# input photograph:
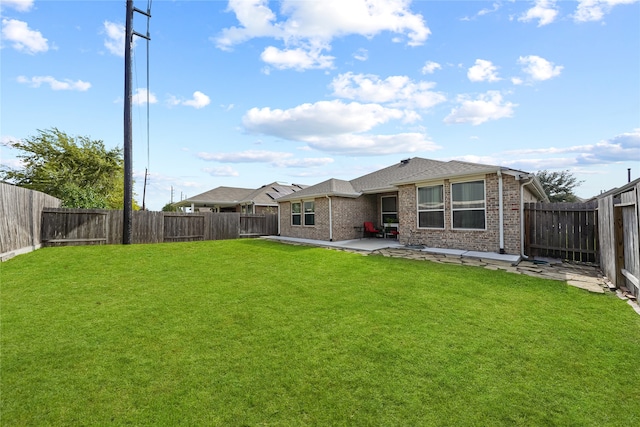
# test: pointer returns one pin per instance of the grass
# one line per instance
(250, 332)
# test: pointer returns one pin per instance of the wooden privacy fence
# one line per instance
(568, 231)
(619, 224)
(65, 227)
(20, 219)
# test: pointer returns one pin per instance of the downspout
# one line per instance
(522, 217)
(501, 211)
(330, 220)
(278, 219)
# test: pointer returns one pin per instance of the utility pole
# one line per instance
(128, 94)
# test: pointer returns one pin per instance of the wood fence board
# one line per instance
(95, 226)
(20, 218)
(561, 230)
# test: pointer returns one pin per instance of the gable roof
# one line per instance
(408, 171)
(232, 196)
(330, 187)
(617, 191)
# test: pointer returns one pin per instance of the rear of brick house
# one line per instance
(449, 205)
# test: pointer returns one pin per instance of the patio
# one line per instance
(376, 244)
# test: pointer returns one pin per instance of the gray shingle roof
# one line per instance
(220, 195)
(416, 169)
(448, 169)
(330, 187)
(231, 196)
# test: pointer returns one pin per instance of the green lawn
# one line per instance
(251, 332)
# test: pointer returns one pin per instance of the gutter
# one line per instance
(330, 220)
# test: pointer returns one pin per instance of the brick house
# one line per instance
(452, 205)
(244, 200)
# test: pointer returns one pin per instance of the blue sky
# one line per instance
(247, 92)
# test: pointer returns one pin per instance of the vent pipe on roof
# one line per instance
(628, 174)
(405, 161)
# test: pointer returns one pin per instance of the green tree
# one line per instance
(169, 207)
(78, 170)
(559, 185)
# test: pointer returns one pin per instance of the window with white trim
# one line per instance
(468, 205)
(389, 209)
(296, 215)
(310, 213)
(431, 206)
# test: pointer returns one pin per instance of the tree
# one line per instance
(169, 207)
(559, 185)
(79, 171)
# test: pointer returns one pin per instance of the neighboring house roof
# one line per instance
(408, 171)
(330, 187)
(233, 196)
(268, 194)
(617, 191)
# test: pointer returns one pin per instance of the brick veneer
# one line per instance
(478, 240)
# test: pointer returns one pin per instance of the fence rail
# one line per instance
(68, 227)
(567, 231)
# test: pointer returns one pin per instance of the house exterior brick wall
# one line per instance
(487, 240)
(348, 213)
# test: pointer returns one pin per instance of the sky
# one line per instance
(243, 93)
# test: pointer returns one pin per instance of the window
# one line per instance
(468, 205)
(295, 214)
(431, 207)
(309, 213)
(389, 209)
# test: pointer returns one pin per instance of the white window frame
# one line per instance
(299, 214)
(484, 208)
(304, 213)
(435, 184)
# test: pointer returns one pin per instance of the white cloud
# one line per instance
(482, 12)
(298, 58)
(221, 171)
(23, 38)
(308, 122)
(311, 26)
(199, 100)
(544, 11)
(620, 148)
(336, 127)
(66, 84)
(483, 71)
(595, 10)
(140, 97)
(307, 162)
(361, 54)
(539, 68)
(488, 106)
(275, 158)
(430, 67)
(248, 156)
(398, 91)
(19, 5)
(115, 38)
(375, 145)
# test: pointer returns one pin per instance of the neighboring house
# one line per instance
(453, 205)
(244, 200)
